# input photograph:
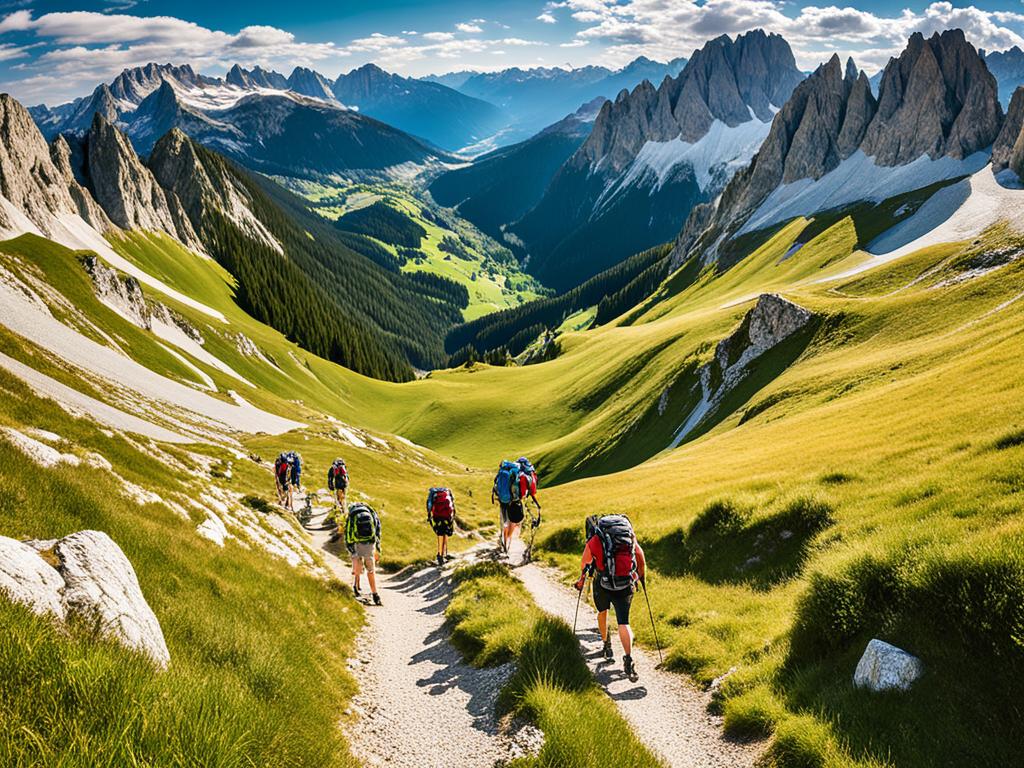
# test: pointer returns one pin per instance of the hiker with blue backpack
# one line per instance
(287, 477)
(515, 482)
(616, 560)
(337, 484)
(441, 517)
(362, 538)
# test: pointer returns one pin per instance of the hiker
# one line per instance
(618, 559)
(506, 491)
(362, 537)
(441, 516)
(282, 479)
(337, 483)
(528, 486)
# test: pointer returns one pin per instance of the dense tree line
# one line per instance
(455, 247)
(383, 222)
(442, 288)
(329, 298)
(515, 328)
(632, 293)
(371, 249)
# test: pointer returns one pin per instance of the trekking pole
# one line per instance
(654, 626)
(586, 574)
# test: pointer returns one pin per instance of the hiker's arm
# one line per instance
(641, 563)
(588, 557)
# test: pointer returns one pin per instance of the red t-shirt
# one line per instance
(596, 551)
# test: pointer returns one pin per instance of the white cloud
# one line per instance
(664, 29)
(438, 36)
(573, 44)
(16, 22)
(10, 51)
(469, 29)
(547, 18)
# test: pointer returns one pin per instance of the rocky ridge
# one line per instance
(1008, 150)
(936, 100)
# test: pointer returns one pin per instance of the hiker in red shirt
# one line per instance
(618, 559)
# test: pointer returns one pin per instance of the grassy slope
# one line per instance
(492, 285)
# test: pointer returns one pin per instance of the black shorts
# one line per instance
(620, 598)
(443, 527)
(512, 512)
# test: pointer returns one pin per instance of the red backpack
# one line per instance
(337, 476)
(618, 543)
(441, 503)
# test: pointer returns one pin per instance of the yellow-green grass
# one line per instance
(494, 620)
(258, 650)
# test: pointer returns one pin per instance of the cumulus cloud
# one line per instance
(438, 36)
(469, 29)
(547, 18)
(665, 29)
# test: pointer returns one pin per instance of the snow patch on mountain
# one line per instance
(722, 147)
(858, 178)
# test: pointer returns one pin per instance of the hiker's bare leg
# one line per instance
(626, 638)
(602, 625)
(371, 575)
(444, 545)
(357, 570)
(440, 545)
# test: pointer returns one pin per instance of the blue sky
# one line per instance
(52, 51)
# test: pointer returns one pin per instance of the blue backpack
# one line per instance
(506, 483)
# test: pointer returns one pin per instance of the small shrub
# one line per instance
(807, 515)
(800, 742)
(1010, 440)
(258, 503)
(753, 714)
(722, 517)
(837, 478)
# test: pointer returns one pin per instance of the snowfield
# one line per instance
(952, 215)
(858, 179)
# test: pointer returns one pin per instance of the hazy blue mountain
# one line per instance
(430, 110)
(499, 187)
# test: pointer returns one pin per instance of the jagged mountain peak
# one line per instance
(309, 82)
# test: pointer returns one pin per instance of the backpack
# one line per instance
(281, 468)
(506, 483)
(618, 543)
(441, 504)
(362, 524)
(337, 476)
(529, 475)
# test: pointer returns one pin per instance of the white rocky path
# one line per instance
(418, 700)
(411, 678)
(666, 711)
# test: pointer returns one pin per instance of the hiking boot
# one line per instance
(376, 599)
(448, 558)
(630, 669)
(607, 650)
(440, 561)
(355, 590)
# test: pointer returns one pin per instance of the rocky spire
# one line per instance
(726, 80)
(938, 98)
(1008, 150)
(127, 190)
(38, 184)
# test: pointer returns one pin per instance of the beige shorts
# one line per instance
(365, 552)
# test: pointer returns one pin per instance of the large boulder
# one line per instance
(884, 667)
(28, 579)
(89, 578)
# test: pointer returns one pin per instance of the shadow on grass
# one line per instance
(723, 544)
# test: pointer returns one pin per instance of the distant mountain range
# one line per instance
(435, 112)
(535, 98)
(297, 130)
(1008, 68)
(655, 153)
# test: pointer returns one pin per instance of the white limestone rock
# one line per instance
(213, 529)
(100, 584)
(884, 667)
(26, 578)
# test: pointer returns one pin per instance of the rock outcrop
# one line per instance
(255, 78)
(92, 581)
(39, 185)
(127, 190)
(1008, 150)
(884, 667)
(772, 320)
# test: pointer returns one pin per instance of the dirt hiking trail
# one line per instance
(666, 711)
(418, 700)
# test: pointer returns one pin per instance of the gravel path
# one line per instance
(418, 700)
(667, 712)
